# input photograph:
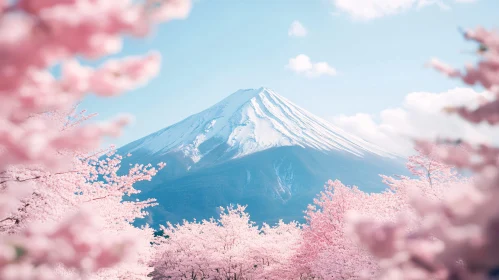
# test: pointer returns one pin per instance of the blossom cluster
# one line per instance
(48, 170)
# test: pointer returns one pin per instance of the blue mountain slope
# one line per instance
(275, 184)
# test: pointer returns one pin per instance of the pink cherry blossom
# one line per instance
(231, 247)
(329, 247)
(454, 236)
(62, 213)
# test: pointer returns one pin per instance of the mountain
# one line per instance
(254, 147)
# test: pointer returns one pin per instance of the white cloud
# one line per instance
(420, 116)
(371, 9)
(302, 64)
(297, 29)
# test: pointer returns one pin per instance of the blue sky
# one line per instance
(227, 45)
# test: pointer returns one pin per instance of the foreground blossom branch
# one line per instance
(46, 171)
(457, 237)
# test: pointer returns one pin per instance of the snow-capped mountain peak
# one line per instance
(249, 121)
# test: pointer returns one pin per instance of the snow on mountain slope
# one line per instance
(249, 121)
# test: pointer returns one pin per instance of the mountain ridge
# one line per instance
(249, 121)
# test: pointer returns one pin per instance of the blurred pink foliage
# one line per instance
(458, 235)
(57, 220)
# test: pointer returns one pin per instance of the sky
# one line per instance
(356, 63)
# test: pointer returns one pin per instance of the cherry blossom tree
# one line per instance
(47, 168)
(433, 179)
(329, 251)
(95, 184)
(231, 247)
(458, 237)
(326, 251)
